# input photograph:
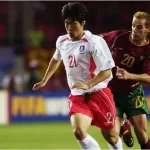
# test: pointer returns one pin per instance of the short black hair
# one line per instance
(75, 11)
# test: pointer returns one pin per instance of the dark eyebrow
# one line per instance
(137, 25)
(68, 21)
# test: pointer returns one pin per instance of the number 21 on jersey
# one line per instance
(72, 61)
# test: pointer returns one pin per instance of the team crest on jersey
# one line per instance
(82, 49)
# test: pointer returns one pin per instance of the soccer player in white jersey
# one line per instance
(88, 65)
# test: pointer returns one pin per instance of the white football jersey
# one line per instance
(84, 59)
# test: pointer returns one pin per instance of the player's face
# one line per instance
(139, 30)
(74, 29)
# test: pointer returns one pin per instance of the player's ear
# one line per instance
(148, 29)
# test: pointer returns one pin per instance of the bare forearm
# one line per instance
(143, 78)
(101, 76)
(53, 65)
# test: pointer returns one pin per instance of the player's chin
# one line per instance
(72, 35)
(136, 37)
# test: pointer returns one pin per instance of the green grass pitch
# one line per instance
(46, 136)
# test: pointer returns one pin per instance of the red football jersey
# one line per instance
(132, 58)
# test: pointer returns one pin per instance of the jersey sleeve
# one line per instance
(57, 54)
(101, 54)
(146, 66)
(110, 37)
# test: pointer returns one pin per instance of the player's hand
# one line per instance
(81, 85)
(38, 85)
(122, 74)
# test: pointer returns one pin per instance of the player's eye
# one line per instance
(67, 24)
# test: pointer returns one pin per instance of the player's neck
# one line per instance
(139, 42)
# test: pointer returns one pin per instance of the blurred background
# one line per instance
(28, 32)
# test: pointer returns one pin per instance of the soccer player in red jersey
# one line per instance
(88, 63)
(131, 53)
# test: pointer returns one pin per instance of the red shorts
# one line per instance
(100, 107)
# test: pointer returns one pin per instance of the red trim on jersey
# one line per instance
(85, 40)
(92, 67)
(64, 39)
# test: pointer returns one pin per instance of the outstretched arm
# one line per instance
(124, 75)
(53, 65)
